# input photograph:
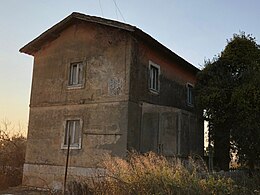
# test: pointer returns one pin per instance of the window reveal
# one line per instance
(76, 74)
(72, 131)
(154, 77)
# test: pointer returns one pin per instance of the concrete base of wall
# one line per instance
(52, 176)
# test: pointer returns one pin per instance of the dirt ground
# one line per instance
(20, 190)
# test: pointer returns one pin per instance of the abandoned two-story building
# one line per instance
(112, 88)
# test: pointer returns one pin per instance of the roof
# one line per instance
(51, 34)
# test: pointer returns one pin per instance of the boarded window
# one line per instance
(149, 134)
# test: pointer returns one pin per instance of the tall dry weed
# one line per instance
(154, 174)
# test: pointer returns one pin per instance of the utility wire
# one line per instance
(119, 10)
(116, 11)
(101, 8)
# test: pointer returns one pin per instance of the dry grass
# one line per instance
(154, 174)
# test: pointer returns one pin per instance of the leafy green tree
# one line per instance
(228, 91)
(246, 128)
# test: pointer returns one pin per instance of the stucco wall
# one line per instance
(162, 122)
(105, 54)
(173, 78)
(101, 104)
(165, 130)
(116, 114)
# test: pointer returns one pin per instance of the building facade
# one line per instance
(110, 88)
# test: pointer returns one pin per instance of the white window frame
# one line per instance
(190, 95)
(66, 125)
(154, 79)
(76, 75)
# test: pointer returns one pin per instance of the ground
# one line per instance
(20, 190)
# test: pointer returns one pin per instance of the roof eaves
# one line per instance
(103, 21)
(166, 50)
(54, 31)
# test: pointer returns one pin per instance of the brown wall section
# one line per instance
(173, 78)
(104, 52)
(117, 110)
(101, 104)
(177, 131)
(171, 69)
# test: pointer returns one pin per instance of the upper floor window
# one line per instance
(76, 74)
(154, 73)
(190, 100)
(72, 134)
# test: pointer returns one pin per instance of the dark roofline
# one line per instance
(53, 33)
(153, 42)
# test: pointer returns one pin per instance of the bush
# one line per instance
(12, 154)
(154, 174)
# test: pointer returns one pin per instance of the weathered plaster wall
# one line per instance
(105, 54)
(161, 122)
(166, 130)
(102, 134)
(117, 114)
(101, 103)
(173, 78)
(52, 176)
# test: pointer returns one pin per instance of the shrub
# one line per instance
(12, 154)
(154, 174)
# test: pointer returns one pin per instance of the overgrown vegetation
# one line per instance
(12, 154)
(154, 174)
(228, 90)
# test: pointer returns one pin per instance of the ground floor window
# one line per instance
(72, 134)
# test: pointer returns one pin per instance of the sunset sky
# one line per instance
(194, 29)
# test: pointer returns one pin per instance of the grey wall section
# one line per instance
(150, 132)
(104, 131)
(162, 122)
(134, 126)
(168, 134)
(167, 130)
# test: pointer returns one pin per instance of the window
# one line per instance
(190, 94)
(72, 132)
(76, 74)
(154, 70)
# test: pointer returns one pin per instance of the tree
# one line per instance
(246, 128)
(228, 91)
(12, 155)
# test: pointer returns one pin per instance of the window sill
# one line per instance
(190, 105)
(71, 147)
(81, 86)
(155, 92)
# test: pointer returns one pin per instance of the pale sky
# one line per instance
(194, 29)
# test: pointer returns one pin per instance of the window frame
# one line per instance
(154, 66)
(65, 131)
(190, 94)
(80, 76)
